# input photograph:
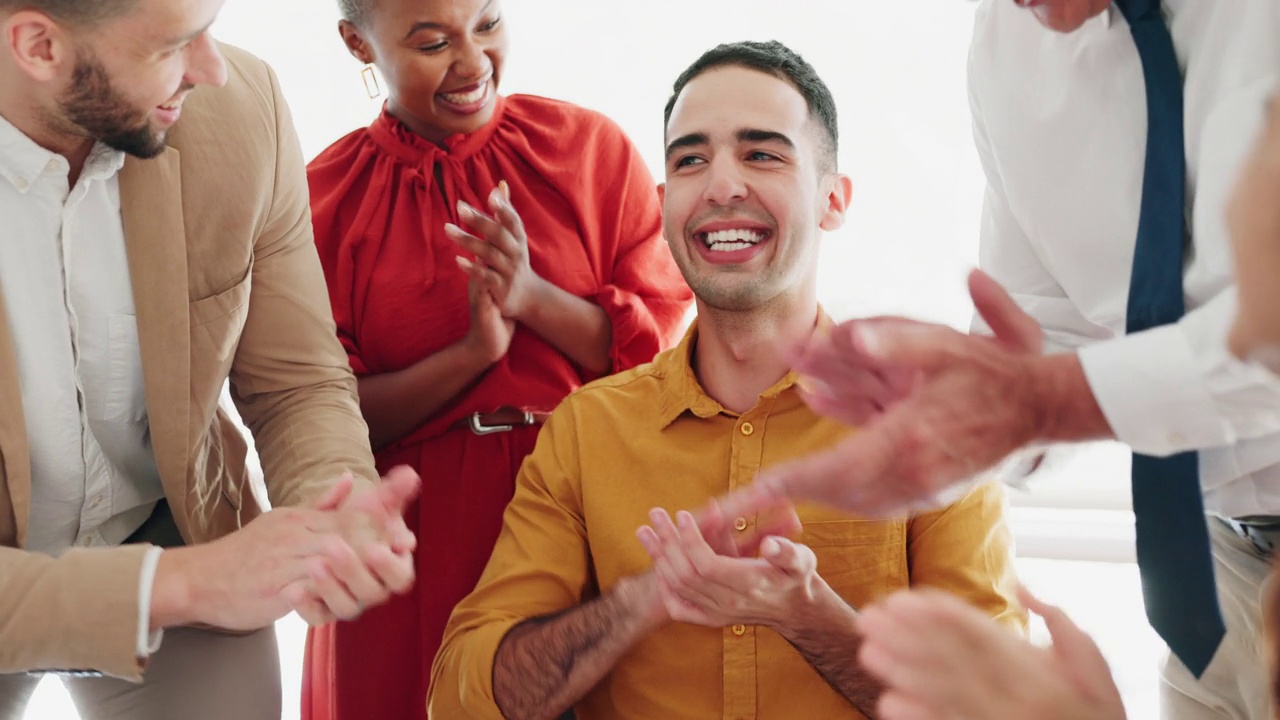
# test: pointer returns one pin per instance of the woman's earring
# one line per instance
(371, 84)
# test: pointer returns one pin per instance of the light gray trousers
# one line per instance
(196, 675)
(1235, 686)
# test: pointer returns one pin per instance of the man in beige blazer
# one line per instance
(144, 261)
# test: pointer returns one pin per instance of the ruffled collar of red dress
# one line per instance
(396, 138)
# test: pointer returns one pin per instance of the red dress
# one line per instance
(380, 198)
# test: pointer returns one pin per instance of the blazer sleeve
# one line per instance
(290, 378)
(76, 612)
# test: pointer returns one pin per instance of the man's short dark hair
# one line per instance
(75, 12)
(771, 58)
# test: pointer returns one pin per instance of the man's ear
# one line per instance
(39, 46)
(839, 194)
(662, 193)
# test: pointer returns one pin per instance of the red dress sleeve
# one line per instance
(587, 158)
(645, 296)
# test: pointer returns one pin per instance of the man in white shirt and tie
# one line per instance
(1110, 149)
(143, 263)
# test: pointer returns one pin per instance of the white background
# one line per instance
(897, 71)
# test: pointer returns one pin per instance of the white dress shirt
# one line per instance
(1060, 124)
(66, 284)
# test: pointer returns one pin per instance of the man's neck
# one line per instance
(24, 115)
(739, 355)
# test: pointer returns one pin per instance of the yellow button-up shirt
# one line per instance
(652, 437)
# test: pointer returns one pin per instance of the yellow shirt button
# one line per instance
(739, 630)
(748, 428)
(740, 524)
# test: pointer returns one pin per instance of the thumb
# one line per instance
(789, 557)
(338, 494)
(1014, 328)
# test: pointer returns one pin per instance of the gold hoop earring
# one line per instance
(371, 84)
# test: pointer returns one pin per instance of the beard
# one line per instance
(95, 107)
(731, 294)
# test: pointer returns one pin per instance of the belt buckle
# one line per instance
(1254, 535)
(479, 428)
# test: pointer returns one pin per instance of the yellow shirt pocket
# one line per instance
(860, 559)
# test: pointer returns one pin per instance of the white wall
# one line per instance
(897, 70)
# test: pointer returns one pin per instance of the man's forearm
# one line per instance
(824, 633)
(545, 665)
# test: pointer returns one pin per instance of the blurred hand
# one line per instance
(971, 401)
(375, 559)
(941, 658)
(331, 561)
(502, 252)
(719, 534)
(700, 586)
(490, 333)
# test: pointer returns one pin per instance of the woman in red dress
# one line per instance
(485, 256)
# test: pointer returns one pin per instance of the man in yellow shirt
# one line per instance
(571, 611)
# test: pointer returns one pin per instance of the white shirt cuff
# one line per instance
(1164, 393)
(148, 643)
(1149, 387)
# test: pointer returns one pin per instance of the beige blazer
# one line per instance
(227, 284)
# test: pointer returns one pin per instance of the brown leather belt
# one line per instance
(503, 419)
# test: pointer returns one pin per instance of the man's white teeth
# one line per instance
(730, 240)
(466, 98)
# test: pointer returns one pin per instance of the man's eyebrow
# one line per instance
(686, 141)
(763, 136)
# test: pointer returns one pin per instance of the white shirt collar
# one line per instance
(22, 161)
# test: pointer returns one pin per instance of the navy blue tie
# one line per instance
(1173, 541)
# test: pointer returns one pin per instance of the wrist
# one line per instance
(805, 611)
(1063, 404)
(172, 594)
(538, 296)
(475, 355)
(642, 602)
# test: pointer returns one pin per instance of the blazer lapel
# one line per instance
(156, 242)
(14, 452)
